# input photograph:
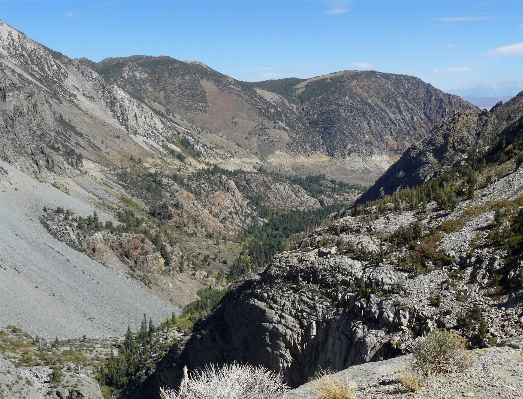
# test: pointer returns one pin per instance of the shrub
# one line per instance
(233, 381)
(329, 386)
(440, 352)
(411, 381)
(56, 374)
(435, 301)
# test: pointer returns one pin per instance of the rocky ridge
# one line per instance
(347, 116)
(450, 144)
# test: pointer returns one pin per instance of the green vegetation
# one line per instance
(26, 351)
(440, 351)
(318, 88)
(317, 185)
(138, 354)
(435, 301)
(175, 154)
(423, 256)
(151, 229)
(70, 156)
(144, 185)
(283, 87)
(507, 235)
(187, 148)
(262, 242)
(136, 359)
(473, 325)
(445, 190)
(199, 309)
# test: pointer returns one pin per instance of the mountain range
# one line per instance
(131, 184)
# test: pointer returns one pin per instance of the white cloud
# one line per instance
(337, 7)
(337, 11)
(462, 19)
(451, 45)
(509, 50)
(458, 69)
(452, 69)
(70, 15)
(361, 64)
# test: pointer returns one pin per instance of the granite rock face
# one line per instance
(450, 144)
(495, 372)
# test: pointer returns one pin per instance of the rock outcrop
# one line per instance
(495, 372)
(449, 145)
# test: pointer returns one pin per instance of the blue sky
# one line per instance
(450, 44)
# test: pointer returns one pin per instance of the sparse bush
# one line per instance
(330, 386)
(56, 374)
(232, 381)
(440, 351)
(411, 381)
(473, 325)
(435, 301)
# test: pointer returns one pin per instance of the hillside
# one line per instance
(114, 193)
(444, 254)
(354, 124)
(135, 139)
(368, 114)
(452, 143)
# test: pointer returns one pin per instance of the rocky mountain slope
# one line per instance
(128, 185)
(370, 113)
(52, 290)
(444, 254)
(450, 144)
(121, 183)
(356, 120)
(56, 111)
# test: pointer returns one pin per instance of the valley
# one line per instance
(157, 214)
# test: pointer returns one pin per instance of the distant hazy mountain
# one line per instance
(500, 89)
(486, 102)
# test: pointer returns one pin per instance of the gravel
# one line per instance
(49, 289)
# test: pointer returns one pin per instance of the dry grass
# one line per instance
(411, 381)
(329, 386)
